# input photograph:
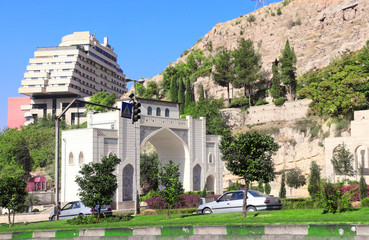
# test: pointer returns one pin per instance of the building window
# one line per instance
(149, 111)
(210, 159)
(71, 159)
(166, 112)
(158, 112)
(80, 158)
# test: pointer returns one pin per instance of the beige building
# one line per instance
(79, 67)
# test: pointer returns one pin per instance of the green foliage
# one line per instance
(286, 2)
(314, 180)
(151, 194)
(340, 88)
(152, 89)
(203, 192)
(276, 89)
(282, 190)
(293, 23)
(172, 186)
(188, 98)
(300, 203)
(93, 219)
(223, 73)
(149, 170)
(261, 102)
(12, 194)
(363, 188)
(260, 186)
(97, 182)
(288, 68)
(342, 161)
(251, 18)
(267, 188)
(201, 92)
(331, 198)
(102, 98)
(181, 96)
(279, 11)
(234, 187)
(279, 101)
(239, 103)
(209, 46)
(247, 66)
(249, 155)
(295, 178)
(365, 202)
(341, 125)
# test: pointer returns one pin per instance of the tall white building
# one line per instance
(79, 67)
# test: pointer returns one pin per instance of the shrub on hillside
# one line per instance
(239, 102)
(261, 102)
(279, 101)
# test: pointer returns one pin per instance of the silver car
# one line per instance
(233, 201)
(76, 208)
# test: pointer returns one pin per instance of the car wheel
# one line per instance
(251, 209)
(81, 214)
(207, 211)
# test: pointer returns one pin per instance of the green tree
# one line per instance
(149, 170)
(295, 178)
(288, 69)
(247, 64)
(173, 90)
(249, 156)
(181, 96)
(342, 161)
(140, 90)
(314, 180)
(268, 188)
(201, 92)
(12, 195)
(102, 98)
(282, 190)
(276, 90)
(363, 188)
(260, 186)
(97, 182)
(152, 90)
(223, 73)
(188, 98)
(172, 186)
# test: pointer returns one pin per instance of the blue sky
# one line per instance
(147, 35)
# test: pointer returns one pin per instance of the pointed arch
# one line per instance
(71, 159)
(210, 183)
(197, 178)
(80, 158)
(210, 158)
(149, 111)
(128, 183)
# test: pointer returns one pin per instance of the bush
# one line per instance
(239, 102)
(333, 198)
(279, 101)
(261, 102)
(92, 219)
(35, 210)
(251, 18)
(151, 194)
(279, 12)
(234, 187)
(299, 203)
(365, 202)
(187, 201)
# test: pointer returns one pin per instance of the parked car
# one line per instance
(233, 201)
(76, 208)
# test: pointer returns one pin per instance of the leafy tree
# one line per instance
(295, 178)
(201, 92)
(249, 155)
(363, 188)
(282, 191)
(97, 182)
(140, 90)
(12, 195)
(223, 73)
(102, 98)
(314, 180)
(288, 67)
(152, 90)
(173, 90)
(203, 192)
(276, 90)
(181, 96)
(149, 170)
(342, 161)
(172, 186)
(234, 187)
(247, 67)
(188, 98)
(260, 186)
(268, 188)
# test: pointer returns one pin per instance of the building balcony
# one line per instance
(31, 91)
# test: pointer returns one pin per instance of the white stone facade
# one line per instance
(357, 144)
(184, 141)
(79, 67)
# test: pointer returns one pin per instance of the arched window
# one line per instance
(80, 158)
(149, 111)
(197, 178)
(166, 112)
(158, 112)
(210, 158)
(71, 159)
(128, 183)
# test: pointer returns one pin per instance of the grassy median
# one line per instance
(289, 217)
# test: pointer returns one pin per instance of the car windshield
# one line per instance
(257, 193)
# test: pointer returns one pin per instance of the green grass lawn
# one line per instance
(289, 217)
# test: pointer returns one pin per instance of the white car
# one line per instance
(233, 201)
(76, 208)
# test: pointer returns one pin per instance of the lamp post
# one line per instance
(135, 142)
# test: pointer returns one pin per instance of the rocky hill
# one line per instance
(319, 31)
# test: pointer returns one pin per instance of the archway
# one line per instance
(128, 183)
(210, 183)
(197, 178)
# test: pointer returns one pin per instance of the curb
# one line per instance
(313, 231)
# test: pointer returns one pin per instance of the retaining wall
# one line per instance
(334, 231)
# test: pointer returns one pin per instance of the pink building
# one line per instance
(15, 113)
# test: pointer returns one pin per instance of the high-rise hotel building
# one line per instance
(79, 67)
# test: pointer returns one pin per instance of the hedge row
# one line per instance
(188, 201)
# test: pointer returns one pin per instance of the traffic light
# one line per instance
(136, 111)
